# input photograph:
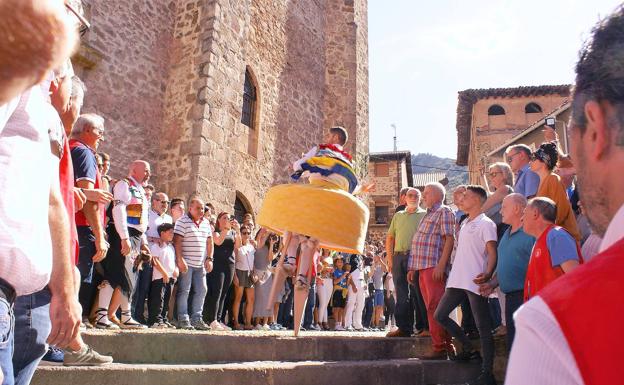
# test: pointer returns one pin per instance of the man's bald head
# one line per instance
(140, 170)
(35, 37)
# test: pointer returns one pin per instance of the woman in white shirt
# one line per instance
(243, 280)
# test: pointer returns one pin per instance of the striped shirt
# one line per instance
(428, 240)
(194, 236)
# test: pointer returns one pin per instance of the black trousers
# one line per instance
(403, 312)
(219, 281)
(480, 310)
(158, 302)
(513, 301)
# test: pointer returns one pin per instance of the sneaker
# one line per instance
(159, 325)
(258, 327)
(185, 325)
(485, 378)
(86, 357)
(225, 327)
(339, 328)
(266, 327)
(216, 326)
(168, 324)
(349, 328)
(53, 356)
(200, 325)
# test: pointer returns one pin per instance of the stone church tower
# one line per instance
(220, 96)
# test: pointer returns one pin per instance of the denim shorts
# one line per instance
(378, 298)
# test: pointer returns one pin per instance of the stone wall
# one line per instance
(124, 61)
(169, 78)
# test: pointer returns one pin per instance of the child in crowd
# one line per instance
(338, 298)
(356, 295)
(390, 302)
(163, 277)
(379, 268)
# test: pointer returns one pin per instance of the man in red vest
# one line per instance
(555, 252)
(568, 333)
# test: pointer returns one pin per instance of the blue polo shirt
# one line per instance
(514, 252)
(527, 182)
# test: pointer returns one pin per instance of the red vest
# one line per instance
(81, 220)
(588, 307)
(540, 271)
(66, 179)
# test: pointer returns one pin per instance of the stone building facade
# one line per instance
(170, 77)
(488, 118)
(390, 172)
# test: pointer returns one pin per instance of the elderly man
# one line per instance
(157, 216)
(194, 249)
(431, 250)
(514, 252)
(128, 247)
(86, 135)
(555, 252)
(398, 241)
(527, 182)
(555, 342)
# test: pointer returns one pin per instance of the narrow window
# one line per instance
(249, 101)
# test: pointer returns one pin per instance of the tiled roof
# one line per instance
(467, 98)
(422, 179)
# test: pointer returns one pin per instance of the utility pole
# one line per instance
(395, 136)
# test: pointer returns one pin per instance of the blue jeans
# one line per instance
(7, 323)
(196, 277)
(32, 328)
(308, 317)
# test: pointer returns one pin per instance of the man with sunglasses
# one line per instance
(527, 182)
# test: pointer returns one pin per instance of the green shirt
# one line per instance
(403, 227)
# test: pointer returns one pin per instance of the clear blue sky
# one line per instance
(422, 53)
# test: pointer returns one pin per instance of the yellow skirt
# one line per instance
(333, 216)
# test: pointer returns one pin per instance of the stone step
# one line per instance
(377, 372)
(194, 347)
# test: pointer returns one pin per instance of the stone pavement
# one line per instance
(179, 357)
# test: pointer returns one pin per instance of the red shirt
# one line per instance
(66, 179)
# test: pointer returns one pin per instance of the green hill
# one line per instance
(456, 175)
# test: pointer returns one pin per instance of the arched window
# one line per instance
(496, 110)
(249, 101)
(532, 108)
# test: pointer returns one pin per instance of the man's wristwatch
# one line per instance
(209, 259)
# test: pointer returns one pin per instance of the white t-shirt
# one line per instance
(154, 220)
(166, 257)
(245, 258)
(27, 170)
(471, 257)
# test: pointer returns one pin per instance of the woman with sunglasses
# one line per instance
(267, 243)
(226, 240)
(243, 281)
(500, 179)
(543, 162)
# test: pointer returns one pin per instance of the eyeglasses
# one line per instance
(163, 201)
(245, 232)
(511, 156)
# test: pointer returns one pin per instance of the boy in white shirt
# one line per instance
(474, 263)
(163, 277)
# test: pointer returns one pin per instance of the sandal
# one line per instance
(102, 321)
(129, 323)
